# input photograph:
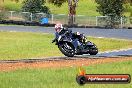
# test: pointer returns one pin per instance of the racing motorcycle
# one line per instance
(70, 46)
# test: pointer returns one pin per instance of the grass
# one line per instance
(18, 45)
(84, 7)
(105, 44)
(12, 6)
(81, 9)
(62, 77)
(26, 45)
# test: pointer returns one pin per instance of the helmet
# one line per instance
(77, 33)
(58, 27)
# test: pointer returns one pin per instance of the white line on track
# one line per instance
(115, 50)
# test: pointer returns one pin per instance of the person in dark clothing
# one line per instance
(61, 30)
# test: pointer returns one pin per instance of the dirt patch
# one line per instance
(61, 63)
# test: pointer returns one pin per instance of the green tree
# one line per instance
(111, 8)
(35, 6)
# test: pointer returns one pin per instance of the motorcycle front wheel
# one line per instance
(67, 49)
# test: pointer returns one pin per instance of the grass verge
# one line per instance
(81, 8)
(84, 7)
(62, 77)
(18, 45)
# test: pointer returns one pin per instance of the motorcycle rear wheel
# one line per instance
(93, 51)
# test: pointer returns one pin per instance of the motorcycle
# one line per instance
(70, 46)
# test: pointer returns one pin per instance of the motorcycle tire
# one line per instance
(93, 51)
(67, 52)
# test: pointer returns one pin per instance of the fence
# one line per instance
(80, 19)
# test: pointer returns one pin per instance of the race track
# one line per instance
(108, 33)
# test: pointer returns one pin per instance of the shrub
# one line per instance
(35, 6)
(2, 16)
(111, 8)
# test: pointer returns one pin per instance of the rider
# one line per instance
(61, 30)
(81, 37)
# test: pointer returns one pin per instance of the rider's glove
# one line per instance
(53, 40)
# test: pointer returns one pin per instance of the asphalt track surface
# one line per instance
(110, 54)
(109, 33)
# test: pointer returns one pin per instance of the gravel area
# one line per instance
(60, 63)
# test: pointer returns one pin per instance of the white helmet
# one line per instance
(58, 27)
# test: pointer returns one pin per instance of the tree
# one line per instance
(71, 11)
(35, 6)
(112, 9)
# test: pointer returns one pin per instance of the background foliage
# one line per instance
(112, 8)
(34, 6)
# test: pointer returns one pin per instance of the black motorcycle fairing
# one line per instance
(70, 46)
(67, 49)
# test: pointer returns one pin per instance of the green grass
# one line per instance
(81, 8)
(18, 45)
(84, 7)
(105, 44)
(12, 6)
(26, 45)
(62, 77)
